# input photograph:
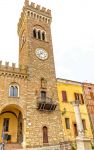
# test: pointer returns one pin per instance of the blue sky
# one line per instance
(72, 34)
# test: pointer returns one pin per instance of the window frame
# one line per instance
(35, 33)
(79, 96)
(40, 34)
(14, 85)
(43, 95)
(67, 123)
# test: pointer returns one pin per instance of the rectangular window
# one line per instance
(79, 97)
(67, 122)
(43, 95)
(76, 96)
(6, 124)
(84, 124)
(64, 96)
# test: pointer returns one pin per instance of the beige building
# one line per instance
(29, 112)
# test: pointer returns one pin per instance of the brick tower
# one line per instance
(43, 118)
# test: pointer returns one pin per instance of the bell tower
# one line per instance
(43, 122)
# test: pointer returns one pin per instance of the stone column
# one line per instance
(78, 118)
(83, 143)
(24, 133)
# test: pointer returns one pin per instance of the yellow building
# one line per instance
(69, 91)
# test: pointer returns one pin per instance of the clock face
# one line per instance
(41, 53)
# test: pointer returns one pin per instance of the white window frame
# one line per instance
(14, 85)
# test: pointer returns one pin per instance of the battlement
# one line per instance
(13, 70)
(36, 12)
(40, 9)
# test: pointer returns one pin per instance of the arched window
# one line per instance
(43, 36)
(34, 33)
(39, 35)
(45, 134)
(13, 91)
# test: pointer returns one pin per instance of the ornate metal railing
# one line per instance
(46, 104)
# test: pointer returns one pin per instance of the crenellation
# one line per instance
(13, 65)
(49, 11)
(6, 69)
(36, 12)
(43, 9)
(38, 7)
(32, 5)
(26, 3)
(6, 64)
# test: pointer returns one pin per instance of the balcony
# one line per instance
(46, 104)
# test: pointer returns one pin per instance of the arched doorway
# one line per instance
(11, 124)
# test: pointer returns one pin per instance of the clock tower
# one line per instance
(43, 118)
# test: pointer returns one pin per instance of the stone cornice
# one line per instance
(6, 70)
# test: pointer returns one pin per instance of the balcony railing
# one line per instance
(46, 104)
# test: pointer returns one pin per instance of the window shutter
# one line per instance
(82, 100)
(76, 95)
(64, 96)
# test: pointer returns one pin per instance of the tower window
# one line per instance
(45, 134)
(13, 91)
(39, 35)
(43, 36)
(6, 124)
(34, 33)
